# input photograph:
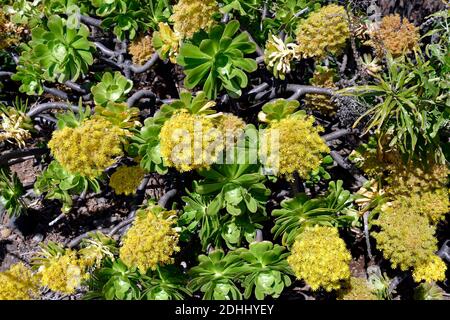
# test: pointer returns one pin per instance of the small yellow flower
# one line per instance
(190, 16)
(126, 180)
(431, 271)
(190, 142)
(319, 256)
(18, 283)
(299, 148)
(357, 289)
(324, 31)
(62, 272)
(89, 149)
(406, 237)
(151, 241)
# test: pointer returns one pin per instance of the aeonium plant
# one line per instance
(61, 52)
(267, 271)
(334, 209)
(111, 88)
(216, 60)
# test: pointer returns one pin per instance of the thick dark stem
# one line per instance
(56, 92)
(162, 202)
(91, 21)
(51, 105)
(300, 90)
(6, 74)
(138, 95)
(146, 66)
(104, 50)
(338, 134)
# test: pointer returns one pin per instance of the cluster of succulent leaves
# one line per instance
(224, 211)
(11, 192)
(226, 206)
(216, 60)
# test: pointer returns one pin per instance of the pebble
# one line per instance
(38, 238)
(5, 233)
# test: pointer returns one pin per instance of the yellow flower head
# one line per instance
(141, 49)
(325, 31)
(357, 289)
(126, 180)
(18, 283)
(299, 147)
(89, 149)
(190, 16)
(151, 241)
(62, 272)
(395, 35)
(190, 141)
(319, 256)
(432, 270)
(406, 237)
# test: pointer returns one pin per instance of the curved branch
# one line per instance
(51, 105)
(6, 74)
(76, 241)
(146, 66)
(56, 92)
(104, 50)
(75, 87)
(90, 21)
(138, 95)
(4, 158)
(338, 134)
(162, 202)
(301, 90)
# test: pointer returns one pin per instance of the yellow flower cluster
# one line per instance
(230, 126)
(323, 78)
(190, 141)
(406, 237)
(414, 179)
(395, 35)
(18, 283)
(126, 179)
(166, 42)
(190, 16)
(319, 256)
(63, 272)
(278, 56)
(357, 289)
(15, 126)
(425, 191)
(299, 148)
(88, 149)
(151, 241)
(141, 49)
(432, 204)
(432, 270)
(325, 31)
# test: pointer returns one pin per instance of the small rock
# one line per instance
(5, 233)
(38, 238)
